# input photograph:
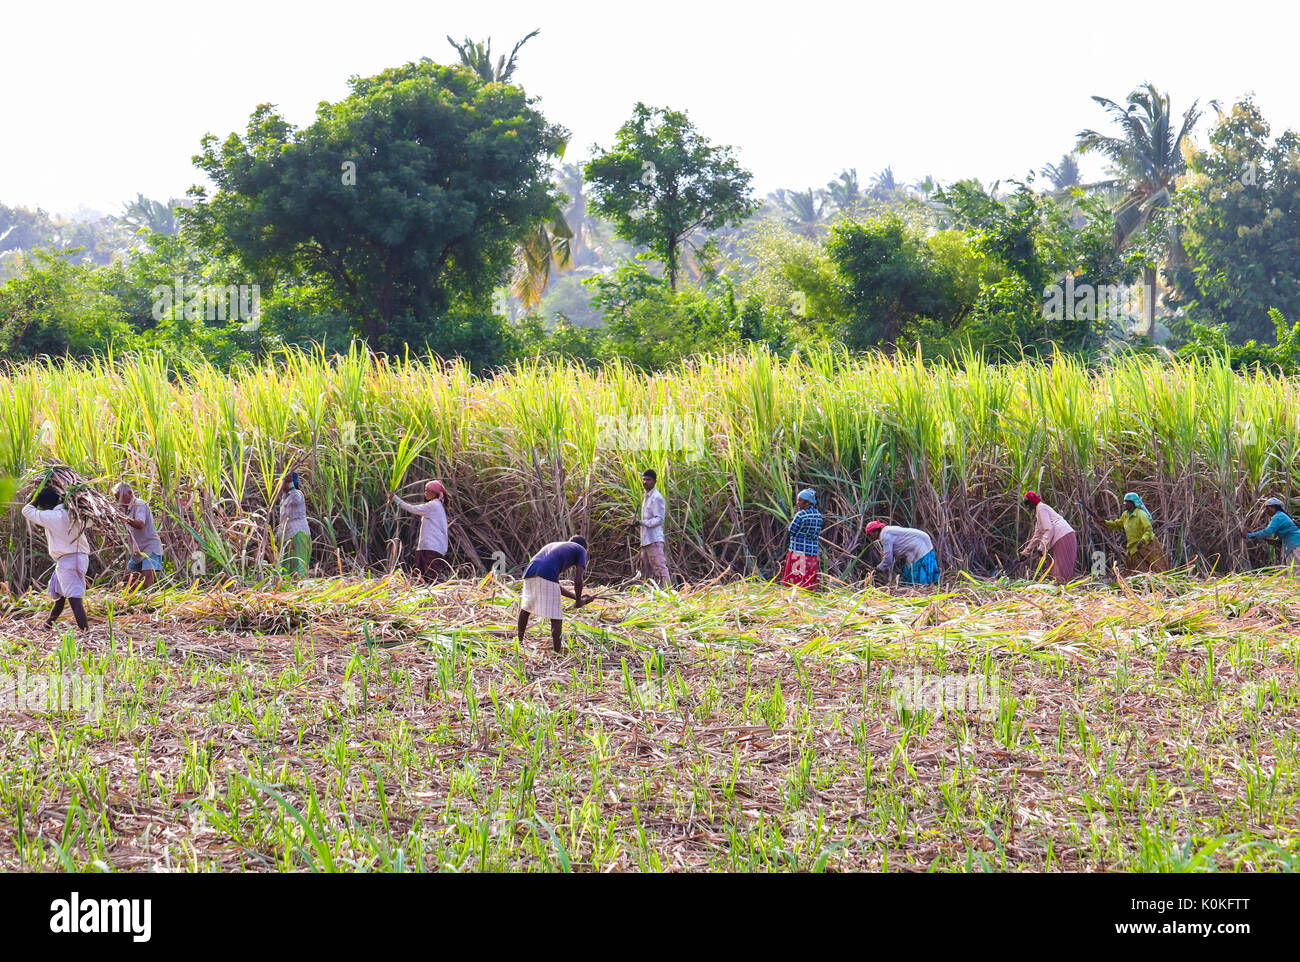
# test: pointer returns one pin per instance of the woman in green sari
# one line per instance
(1144, 551)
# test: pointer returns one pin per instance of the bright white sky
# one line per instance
(107, 99)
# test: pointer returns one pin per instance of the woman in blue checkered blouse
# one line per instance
(801, 567)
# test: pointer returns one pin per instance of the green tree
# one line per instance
(650, 324)
(406, 199)
(150, 216)
(1240, 211)
(1063, 175)
(662, 181)
(55, 306)
(1037, 249)
(889, 278)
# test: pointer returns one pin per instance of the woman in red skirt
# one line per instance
(800, 569)
(1054, 538)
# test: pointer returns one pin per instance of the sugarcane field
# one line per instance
(452, 449)
(355, 707)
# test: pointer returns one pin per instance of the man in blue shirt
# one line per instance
(801, 565)
(542, 588)
(1280, 526)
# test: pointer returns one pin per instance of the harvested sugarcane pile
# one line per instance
(95, 512)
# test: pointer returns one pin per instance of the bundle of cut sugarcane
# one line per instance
(95, 512)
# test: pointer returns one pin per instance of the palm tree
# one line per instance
(547, 245)
(144, 214)
(804, 211)
(588, 243)
(883, 186)
(1063, 175)
(1147, 160)
(477, 55)
(845, 192)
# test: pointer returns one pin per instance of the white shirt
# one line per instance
(909, 545)
(433, 524)
(654, 512)
(62, 536)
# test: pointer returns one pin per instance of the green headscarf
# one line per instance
(1135, 499)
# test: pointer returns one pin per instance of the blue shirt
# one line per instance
(1280, 527)
(805, 529)
(555, 558)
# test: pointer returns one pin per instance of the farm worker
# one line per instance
(148, 546)
(912, 546)
(431, 555)
(1280, 526)
(1054, 537)
(654, 514)
(295, 537)
(542, 588)
(69, 549)
(801, 566)
(1144, 552)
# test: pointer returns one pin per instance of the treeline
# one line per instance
(432, 210)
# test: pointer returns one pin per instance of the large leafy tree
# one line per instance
(662, 181)
(403, 201)
(889, 277)
(1147, 159)
(1240, 210)
(1038, 247)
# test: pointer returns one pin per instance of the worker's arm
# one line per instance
(43, 518)
(404, 505)
(886, 565)
(133, 522)
(1039, 535)
(1269, 530)
(1117, 523)
(576, 593)
(1148, 533)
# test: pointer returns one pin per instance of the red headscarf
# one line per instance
(1033, 498)
(434, 487)
(874, 526)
